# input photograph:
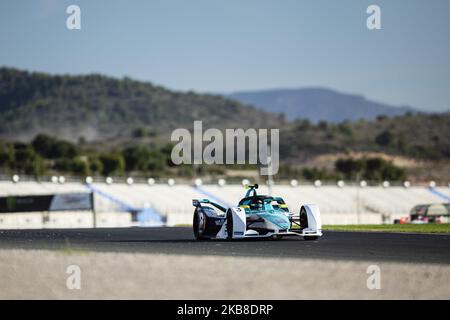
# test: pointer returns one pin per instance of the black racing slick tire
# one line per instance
(303, 218)
(229, 223)
(198, 225)
(304, 224)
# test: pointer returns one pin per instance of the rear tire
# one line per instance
(310, 238)
(229, 225)
(197, 227)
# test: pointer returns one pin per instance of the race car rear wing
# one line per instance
(198, 203)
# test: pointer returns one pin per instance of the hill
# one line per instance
(416, 136)
(317, 104)
(134, 119)
(99, 107)
(125, 126)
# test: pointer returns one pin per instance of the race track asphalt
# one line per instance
(414, 248)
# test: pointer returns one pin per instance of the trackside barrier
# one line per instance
(122, 205)
(144, 216)
(439, 194)
(61, 220)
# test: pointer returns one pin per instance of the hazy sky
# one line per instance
(227, 45)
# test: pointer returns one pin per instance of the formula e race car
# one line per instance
(256, 216)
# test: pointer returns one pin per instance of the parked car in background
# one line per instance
(428, 213)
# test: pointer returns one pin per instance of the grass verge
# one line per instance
(412, 228)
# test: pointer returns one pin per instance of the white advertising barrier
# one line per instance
(71, 201)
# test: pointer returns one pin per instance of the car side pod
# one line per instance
(236, 223)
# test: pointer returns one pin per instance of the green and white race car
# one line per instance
(256, 216)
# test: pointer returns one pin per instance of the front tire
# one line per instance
(310, 238)
(303, 218)
(229, 225)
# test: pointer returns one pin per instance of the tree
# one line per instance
(350, 168)
(380, 169)
(95, 165)
(80, 167)
(138, 133)
(142, 158)
(52, 148)
(6, 155)
(345, 128)
(136, 158)
(75, 166)
(385, 138)
(323, 125)
(112, 163)
(315, 173)
(156, 162)
(375, 169)
(43, 144)
(26, 160)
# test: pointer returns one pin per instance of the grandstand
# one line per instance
(116, 204)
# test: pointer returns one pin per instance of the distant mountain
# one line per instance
(317, 104)
(97, 107)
